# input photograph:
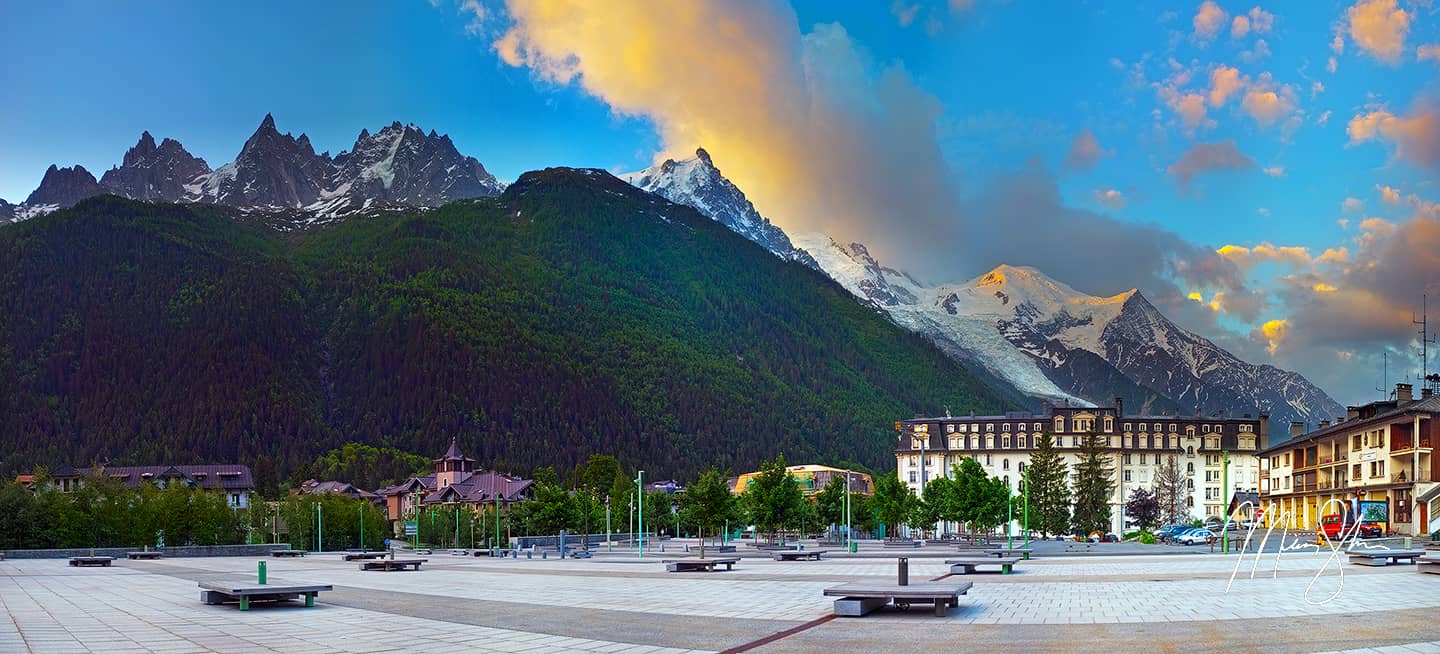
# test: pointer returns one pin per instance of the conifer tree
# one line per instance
(1093, 486)
(1047, 479)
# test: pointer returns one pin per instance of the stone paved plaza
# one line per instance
(616, 603)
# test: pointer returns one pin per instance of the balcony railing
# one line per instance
(1301, 488)
(1405, 445)
(1334, 485)
(1402, 477)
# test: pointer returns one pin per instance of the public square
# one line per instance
(616, 602)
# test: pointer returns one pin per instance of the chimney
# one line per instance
(1296, 428)
(1352, 412)
(1324, 424)
(1264, 431)
(1045, 407)
(1403, 393)
(1119, 407)
(1425, 393)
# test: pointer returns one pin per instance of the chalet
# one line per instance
(233, 480)
(454, 482)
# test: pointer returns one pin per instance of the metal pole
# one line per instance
(1009, 517)
(1225, 498)
(1025, 511)
(320, 536)
(361, 509)
(849, 539)
(640, 523)
(609, 543)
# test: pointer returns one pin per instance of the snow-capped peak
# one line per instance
(696, 182)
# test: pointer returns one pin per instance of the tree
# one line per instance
(936, 502)
(830, 501)
(892, 502)
(1170, 490)
(1143, 509)
(772, 500)
(1093, 486)
(550, 509)
(707, 504)
(365, 466)
(1047, 479)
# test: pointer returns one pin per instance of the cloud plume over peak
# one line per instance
(819, 136)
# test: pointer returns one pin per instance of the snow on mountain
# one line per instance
(404, 165)
(60, 188)
(272, 171)
(1053, 342)
(696, 182)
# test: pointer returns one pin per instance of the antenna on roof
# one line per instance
(947, 411)
(1384, 375)
(1426, 338)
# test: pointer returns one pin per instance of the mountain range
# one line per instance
(1029, 331)
(1029, 337)
(399, 166)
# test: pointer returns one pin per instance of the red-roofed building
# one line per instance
(455, 481)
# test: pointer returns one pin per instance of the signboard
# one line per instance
(1368, 456)
(1374, 511)
(412, 527)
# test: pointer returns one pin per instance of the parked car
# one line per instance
(1336, 526)
(1195, 536)
(1168, 532)
(1110, 538)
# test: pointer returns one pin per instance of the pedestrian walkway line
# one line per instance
(779, 635)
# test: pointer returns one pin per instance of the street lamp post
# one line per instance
(640, 500)
(361, 510)
(849, 539)
(1025, 511)
(1009, 517)
(609, 542)
(1225, 498)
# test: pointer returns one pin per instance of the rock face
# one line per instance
(273, 171)
(62, 187)
(404, 165)
(151, 172)
(695, 182)
(7, 211)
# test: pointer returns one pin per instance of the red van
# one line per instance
(1335, 525)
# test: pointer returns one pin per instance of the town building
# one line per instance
(812, 479)
(313, 487)
(233, 480)
(1210, 450)
(1376, 461)
(454, 482)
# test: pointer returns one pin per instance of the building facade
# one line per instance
(454, 482)
(1137, 445)
(1378, 460)
(232, 480)
(812, 479)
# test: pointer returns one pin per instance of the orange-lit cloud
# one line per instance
(1085, 152)
(1110, 198)
(1209, 20)
(1429, 51)
(1416, 136)
(1274, 333)
(820, 137)
(1388, 194)
(1205, 158)
(1224, 81)
(1246, 258)
(1267, 102)
(1379, 27)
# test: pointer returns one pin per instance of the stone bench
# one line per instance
(968, 566)
(718, 549)
(146, 555)
(1379, 558)
(698, 565)
(221, 592)
(1003, 552)
(860, 598)
(902, 544)
(391, 565)
(1429, 564)
(798, 555)
(280, 554)
(363, 556)
(89, 561)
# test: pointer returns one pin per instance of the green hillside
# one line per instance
(572, 315)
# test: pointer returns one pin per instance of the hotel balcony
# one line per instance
(1302, 488)
(1401, 444)
(1338, 484)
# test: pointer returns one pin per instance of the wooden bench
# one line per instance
(967, 566)
(391, 565)
(88, 561)
(1429, 564)
(798, 555)
(1379, 558)
(1003, 552)
(279, 554)
(698, 565)
(1080, 547)
(363, 556)
(860, 598)
(718, 549)
(146, 555)
(221, 592)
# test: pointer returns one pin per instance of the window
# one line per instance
(987, 459)
(955, 443)
(1021, 467)
(1059, 424)
(1005, 441)
(1142, 458)
(1190, 468)
(1109, 423)
(1190, 431)
(1172, 426)
(990, 427)
(912, 476)
(1377, 468)
(1005, 427)
(974, 442)
(1126, 458)
(950, 428)
(989, 441)
(1204, 429)
(1004, 464)
(1189, 485)
(1024, 442)
(1127, 475)
(1356, 444)
(912, 460)
(1007, 481)
(1355, 471)
(1128, 442)
(1190, 451)
(1127, 426)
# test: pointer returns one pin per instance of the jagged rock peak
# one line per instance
(62, 187)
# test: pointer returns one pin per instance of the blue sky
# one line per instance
(941, 129)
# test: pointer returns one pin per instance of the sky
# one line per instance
(1268, 174)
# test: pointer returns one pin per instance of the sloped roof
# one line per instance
(1427, 405)
(453, 454)
(225, 476)
(482, 487)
